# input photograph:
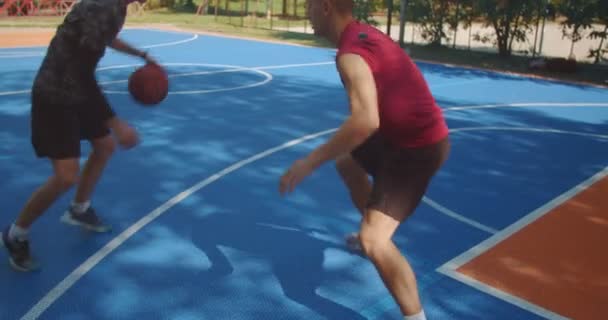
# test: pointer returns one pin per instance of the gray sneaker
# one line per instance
(19, 253)
(88, 220)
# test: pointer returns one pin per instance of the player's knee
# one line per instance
(105, 147)
(66, 178)
(342, 163)
(347, 167)
(373, 242)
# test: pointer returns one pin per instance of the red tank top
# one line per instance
(409, 115)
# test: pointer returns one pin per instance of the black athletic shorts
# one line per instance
(400, 175)
(58, 125)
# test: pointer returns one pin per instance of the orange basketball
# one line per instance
(149, 84)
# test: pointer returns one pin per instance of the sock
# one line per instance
(82, 207)
(17, 233)
(419, 316)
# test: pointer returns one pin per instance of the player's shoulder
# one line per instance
(360, 34)
(83, 8)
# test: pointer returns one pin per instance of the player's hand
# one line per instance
(126, 135)
(298, 171)
(149, 59)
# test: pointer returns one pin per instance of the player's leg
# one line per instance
(102, 150)
(55, 136)
(355, 179)
(94, 129)
(80, 211)
(377, 229)
(355, 170)
(399, 187)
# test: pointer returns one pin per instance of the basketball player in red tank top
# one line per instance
(396, 134)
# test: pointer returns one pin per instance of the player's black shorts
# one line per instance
(58, 125)
(400, 175)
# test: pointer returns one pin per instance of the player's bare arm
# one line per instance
(364, 120)
(120, 45)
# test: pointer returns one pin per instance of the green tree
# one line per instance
(602, 18)
(578, 16)
(432, 17)
(511, 20)
(461, 13)
(364, 9)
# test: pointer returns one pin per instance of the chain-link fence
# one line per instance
(522, 27)
(553, 28)
(287, 15)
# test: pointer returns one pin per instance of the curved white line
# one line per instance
(257, 84)
(18, 52)
(3, 55)
(10, 93)
(531, 104)
(14, 56)
(86, 266)
(268, 77)
(92, 261)
(458, 217)
(526, 129)
(20, 47)
(257, 69)
(194, 37)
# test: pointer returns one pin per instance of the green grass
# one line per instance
(587, 73)
(260, 28)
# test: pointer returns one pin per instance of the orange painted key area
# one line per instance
(28, 37)
(558, 262)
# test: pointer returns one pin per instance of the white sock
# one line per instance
(418, 316)
(82, 207)
(17, 232)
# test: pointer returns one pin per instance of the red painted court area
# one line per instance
(559, 262)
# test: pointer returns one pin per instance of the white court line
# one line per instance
(15, 56)
(450, 267)
(18, 52)
(520, 224)
(232, 69)
(474, 223)
(173, 43)
(456, 83)
(198, 73)
(458, 217)
(267, 77)
(541, 130)
(10, 93)
(20, 47)
(10, 55)
(92, 261)
(297, 65)
(532, 104)
(524, 304)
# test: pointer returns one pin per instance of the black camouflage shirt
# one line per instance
(67, 73)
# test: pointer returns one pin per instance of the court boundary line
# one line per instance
(513, 74)
(117, 241)
(450, 268)
(41, 53)
(257, 69)
(56, 292)
(229, 68)
(531, 105)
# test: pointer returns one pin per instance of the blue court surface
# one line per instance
(199, 228)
